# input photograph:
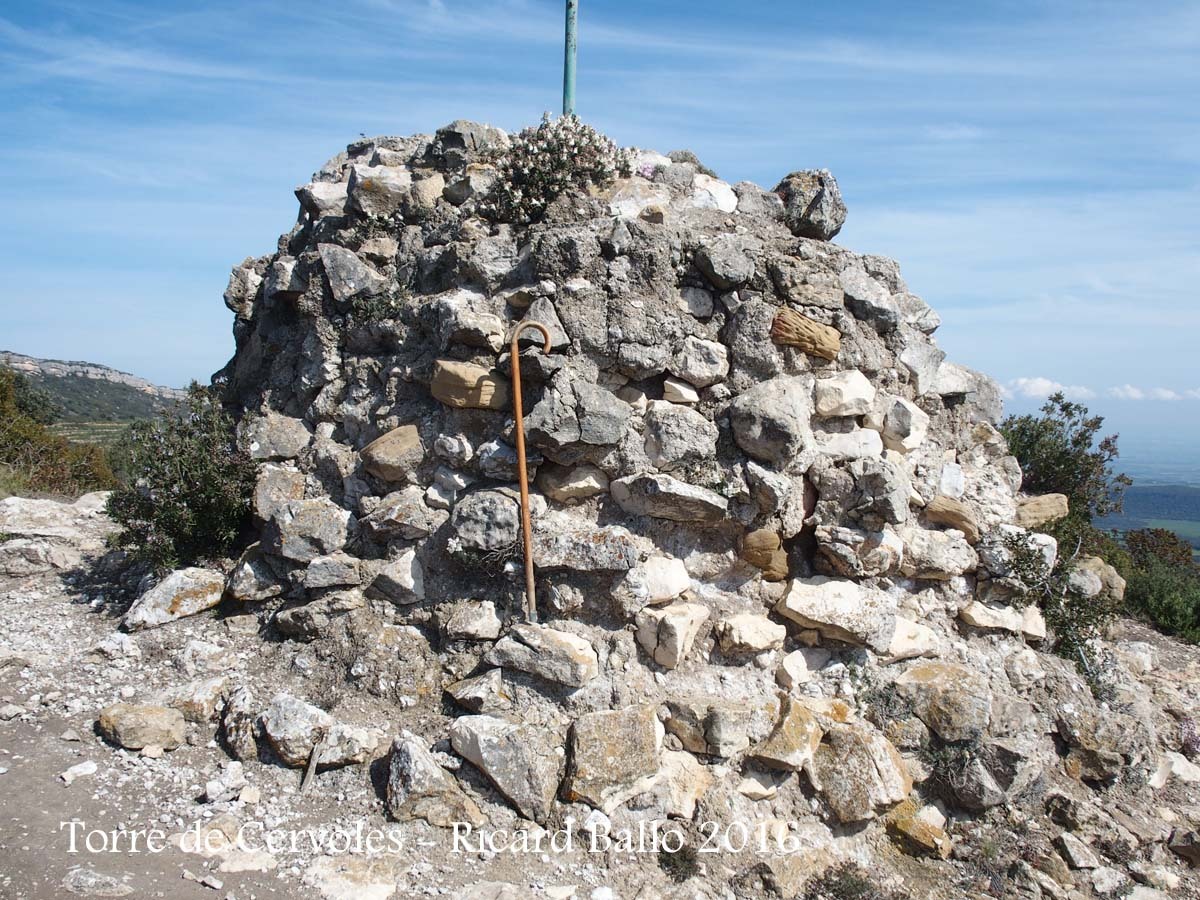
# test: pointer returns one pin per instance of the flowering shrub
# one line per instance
(544, 161)
(187, 495)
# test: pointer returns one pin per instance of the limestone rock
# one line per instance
(664, 497)
(916, 833)
(294, 728)
(273, 436)
(869, 300)
(323, 198)
(858, 772)
(676, 390)
(401, 579)
(1077, 854)
(841, 610)
(484, 693)
(472, 620)
(764, 549)
(912, 639)
(845, 394)
(710, 726)
(336, 570)
(1034, 512)
(749, 633)
(701, 363)
(1027, 621)
(419, 788)
(462, 385)
(571, 484)
(904, 425)
(954, 701)
(134, 727)
(348, 276)
(394, 456)
(551, 654)
(612, 750)
(561, 541)
(812, 203)
(725, 262)
(936, 555)
(275, 486)
(657, 580)
(311, 620)
(771, 420)
(793, 743)
(378, 190)
(952, 513)
(667, 633)
(239, 724)
(677, 436)
(486, 521)
(302, 530)
(522, 761)
(184, 592)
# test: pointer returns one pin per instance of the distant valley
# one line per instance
(97, 402)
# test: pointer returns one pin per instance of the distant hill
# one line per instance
(92, 393)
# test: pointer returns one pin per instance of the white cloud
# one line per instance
(1131, 392)
(1038, 388)
(1127, 392)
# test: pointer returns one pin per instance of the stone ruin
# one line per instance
(773, 525)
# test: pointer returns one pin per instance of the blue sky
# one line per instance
(1034, 166)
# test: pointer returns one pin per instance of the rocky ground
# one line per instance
(66, 660)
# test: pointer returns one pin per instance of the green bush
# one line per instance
(1147, 545)
(32, 459)
(187, 496)
(544, 161)
(1168, 594)
(1060, 452)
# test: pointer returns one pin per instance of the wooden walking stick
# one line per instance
(523, 474)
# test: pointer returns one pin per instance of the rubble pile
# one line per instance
(773, 530)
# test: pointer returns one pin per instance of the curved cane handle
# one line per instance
(522, 473)
(521, 326)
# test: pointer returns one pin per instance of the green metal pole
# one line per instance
(569, 58)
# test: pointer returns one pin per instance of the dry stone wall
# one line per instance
(773, 524)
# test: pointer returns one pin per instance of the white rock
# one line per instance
(842, 610)
(845, 394)
(749, 633)
(667, 633)
(78, 771)
(712, 193)
(912, 639)
(679, 391)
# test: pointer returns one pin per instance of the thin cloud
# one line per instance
(1127, 392)
(1039, 388)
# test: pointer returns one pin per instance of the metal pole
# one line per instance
(522, 473)
(569, 58)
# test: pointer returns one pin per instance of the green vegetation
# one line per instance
(1164, 582)
(32, 459)
(81, 399)
(103, 434)
(549, 159)
(1059, 452)
(188, 487)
